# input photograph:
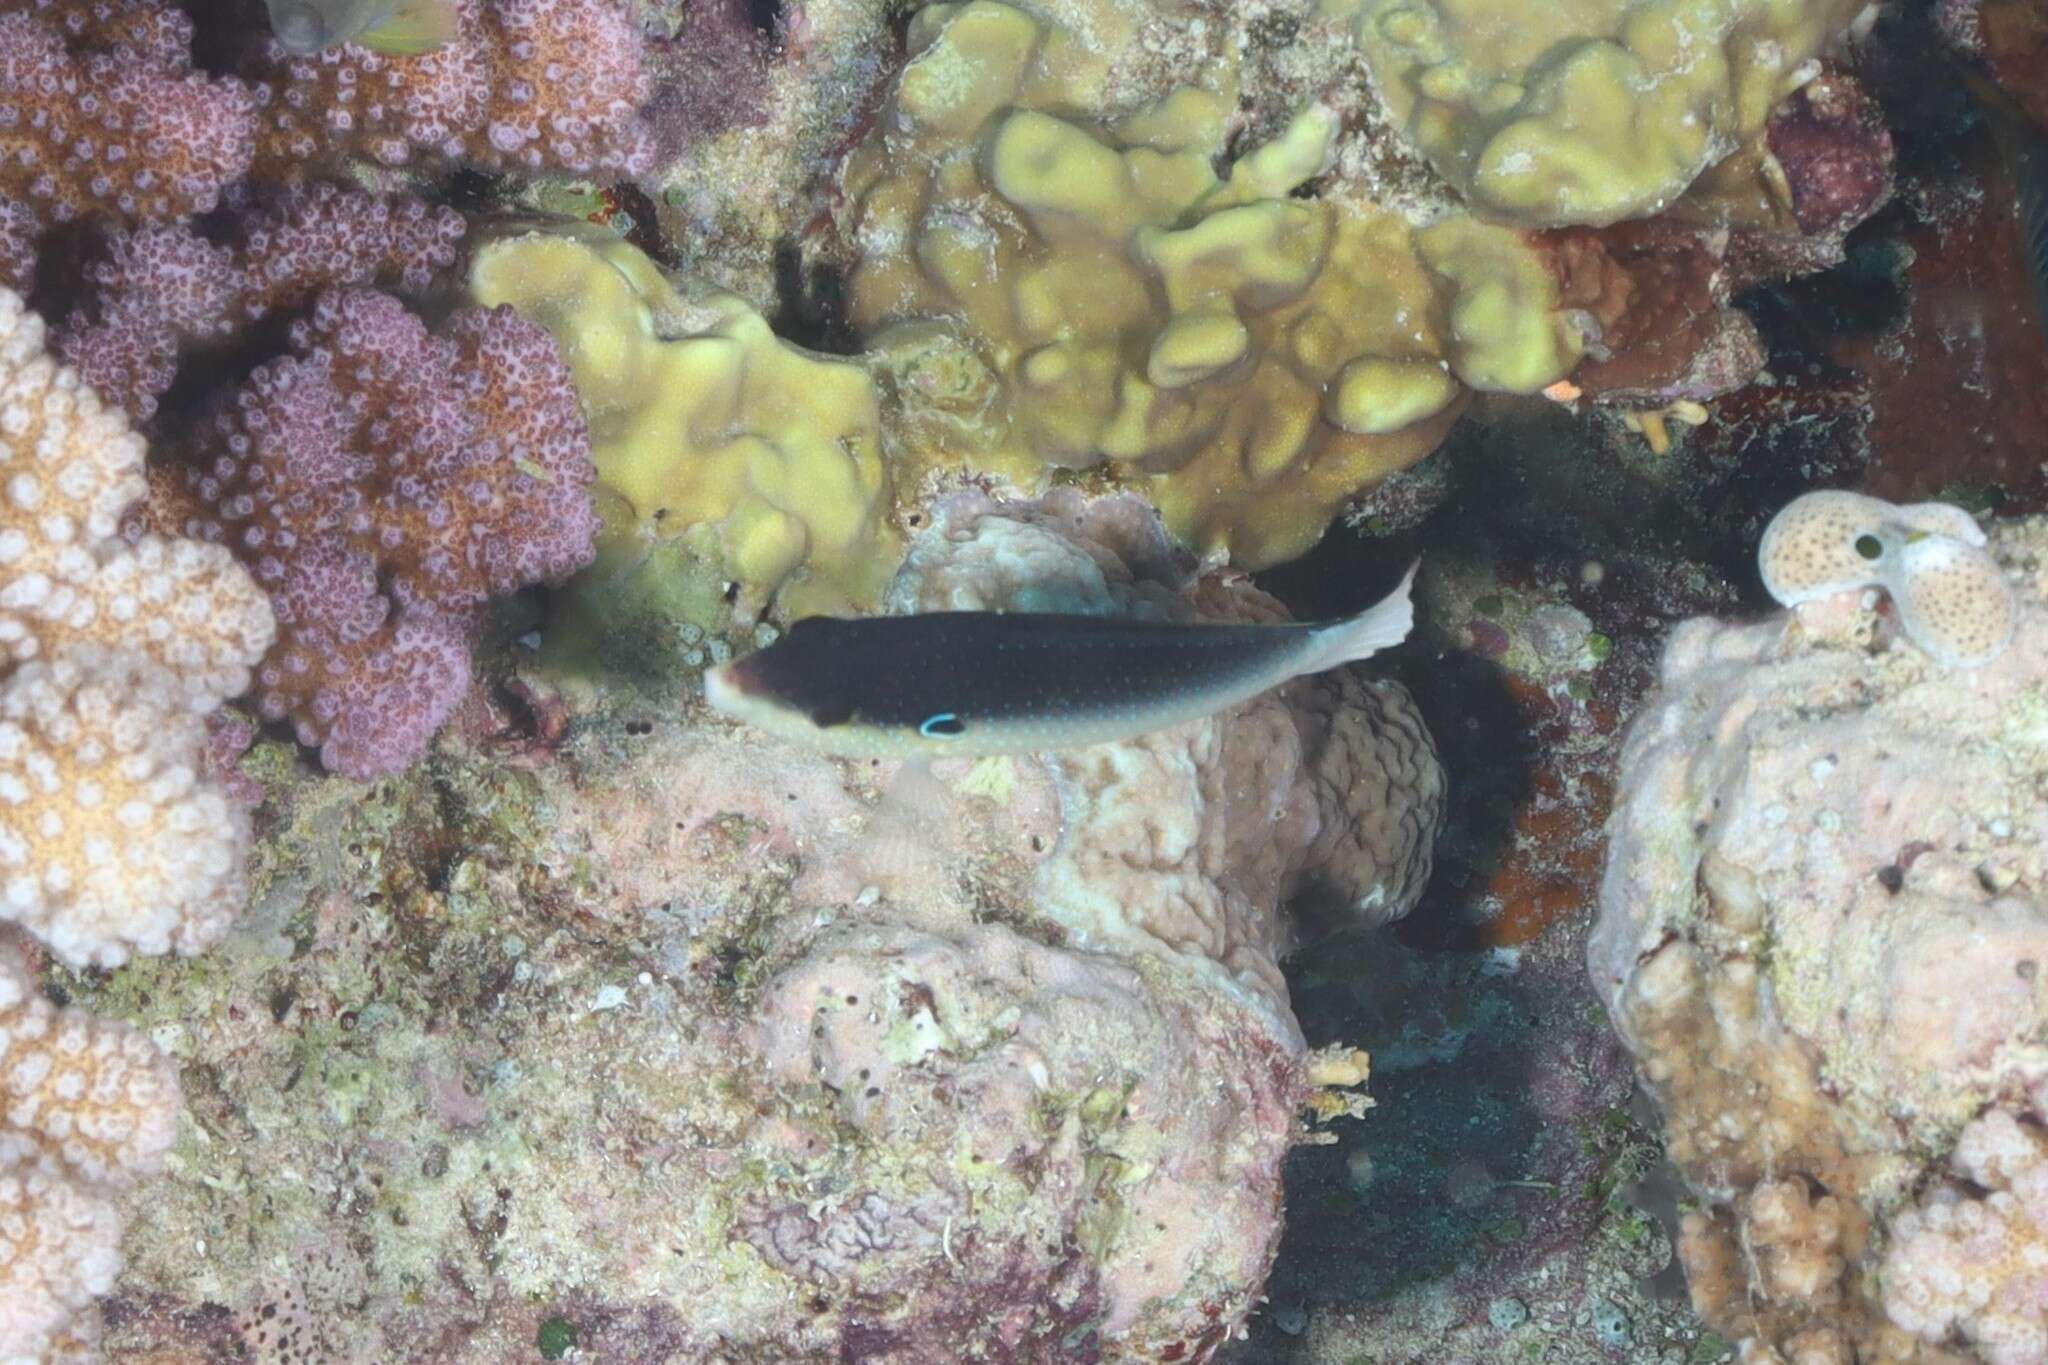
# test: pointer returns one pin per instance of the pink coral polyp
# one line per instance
(161, 289)
(384, 483)
(526, 85)
(129, 133)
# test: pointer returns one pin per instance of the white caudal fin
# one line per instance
(1382, 625)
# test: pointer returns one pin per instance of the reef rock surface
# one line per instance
(680, 1044)
(1822, 929)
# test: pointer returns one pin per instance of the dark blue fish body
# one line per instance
(995, 682)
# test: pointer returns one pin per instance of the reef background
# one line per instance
(432, 957)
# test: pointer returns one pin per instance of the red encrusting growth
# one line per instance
(383, 484)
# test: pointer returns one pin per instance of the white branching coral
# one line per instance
(89, 1095)
(109, 842)
(69, 468)
(85, 1103)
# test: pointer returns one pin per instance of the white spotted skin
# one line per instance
(1952, 599)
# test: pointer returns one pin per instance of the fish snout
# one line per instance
(727, 686)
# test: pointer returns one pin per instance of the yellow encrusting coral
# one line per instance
(1606, 109)
(704, 425)
(1048, 289)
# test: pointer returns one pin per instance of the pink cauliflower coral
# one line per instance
(526, 85)
(104, 118)
(383, 484)
(160, 288)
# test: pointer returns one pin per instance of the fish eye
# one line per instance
(944, 725)
(1869, 546)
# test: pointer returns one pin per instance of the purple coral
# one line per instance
(383, 484)
(160, 288)
(526, 85)
(127, 132)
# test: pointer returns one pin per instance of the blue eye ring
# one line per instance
(944, 725)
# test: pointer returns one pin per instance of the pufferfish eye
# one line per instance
(1869, 546)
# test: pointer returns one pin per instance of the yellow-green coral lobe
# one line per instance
(704, 423)
(1128, 307)
(1605, 109)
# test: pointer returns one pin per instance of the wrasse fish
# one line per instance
(979, 682)
(399, 28)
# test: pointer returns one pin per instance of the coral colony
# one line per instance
(424, 425)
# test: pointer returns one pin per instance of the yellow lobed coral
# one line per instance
(1604, 110)
(1053, 290)
(705, 426)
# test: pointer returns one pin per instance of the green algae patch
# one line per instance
(555, 1339)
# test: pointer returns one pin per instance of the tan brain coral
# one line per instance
(1187, 841)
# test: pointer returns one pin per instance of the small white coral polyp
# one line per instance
(1977, 1263)
(1952, 599)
